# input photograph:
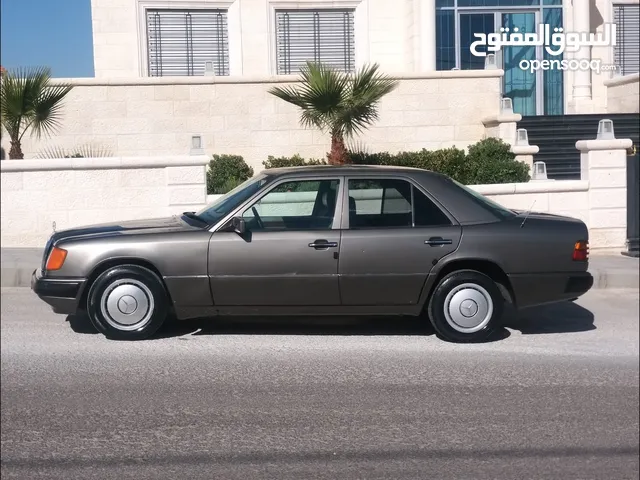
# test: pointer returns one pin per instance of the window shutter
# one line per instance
(325, 36)
(627, 49)
(179, 42)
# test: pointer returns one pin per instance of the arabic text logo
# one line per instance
(561, 40)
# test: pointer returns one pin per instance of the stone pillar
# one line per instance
(603, 163)
(581, 101)
(502, 126)
(428, 35)
(524, 154)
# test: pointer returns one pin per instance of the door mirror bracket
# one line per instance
(238, 225)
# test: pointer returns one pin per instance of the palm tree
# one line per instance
(337, 102)
(29, 101)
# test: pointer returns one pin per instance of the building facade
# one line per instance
(244, 38)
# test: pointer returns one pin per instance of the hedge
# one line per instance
(487, 161)
(226, 172)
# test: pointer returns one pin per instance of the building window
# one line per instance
(533, 93)
(325, 36)
(626, 52)
(186, 42)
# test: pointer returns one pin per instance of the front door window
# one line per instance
(295, 205)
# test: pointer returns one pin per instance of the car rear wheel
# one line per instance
(465, 306)
(127, 302)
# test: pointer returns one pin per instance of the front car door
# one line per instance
(289, 254)
(392, 236)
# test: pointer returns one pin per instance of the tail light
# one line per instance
(581, 251)
(56, 258)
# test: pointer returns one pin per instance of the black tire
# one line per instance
(482, 288)
(143, 285)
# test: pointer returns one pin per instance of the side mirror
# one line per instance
(238, 224)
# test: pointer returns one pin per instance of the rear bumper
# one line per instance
(62, 294)
(540, 289)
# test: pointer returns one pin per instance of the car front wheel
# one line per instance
(465, 306)
(127, 302)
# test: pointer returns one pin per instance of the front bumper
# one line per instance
(63, 294)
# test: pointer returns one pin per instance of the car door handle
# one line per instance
(438, 241)
(318, 244)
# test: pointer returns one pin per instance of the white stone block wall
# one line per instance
(604, 166)
(76, 192)
(623, 94)
(158, 116)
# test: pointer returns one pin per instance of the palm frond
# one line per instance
(335, 101)
(88, 150)
(28, 100)
(367, 89)
(55, 151)
(288, 94)
(319, 95)
(48, 109)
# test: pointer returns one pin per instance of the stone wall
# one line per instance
(77, 192)
(158, 116)
(623, 94)
(86, 191)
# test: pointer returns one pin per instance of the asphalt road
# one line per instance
(555, 396)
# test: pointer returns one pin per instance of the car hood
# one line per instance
(152, 225)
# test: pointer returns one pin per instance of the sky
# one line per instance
(53, 33)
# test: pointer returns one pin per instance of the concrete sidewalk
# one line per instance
(609, 270)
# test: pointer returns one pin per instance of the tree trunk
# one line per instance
(338, 154)
(16, 150)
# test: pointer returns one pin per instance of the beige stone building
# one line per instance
(169, 71)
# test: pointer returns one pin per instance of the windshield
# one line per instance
(486, 202)
(225, 204)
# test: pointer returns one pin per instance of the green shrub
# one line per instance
(226, 172)
(450, 161)
(487, 161)
(491, 161)
(295, 161)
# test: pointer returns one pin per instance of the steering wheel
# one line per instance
(258, 218)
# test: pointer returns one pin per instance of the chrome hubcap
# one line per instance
(127, 304)
(468, 308)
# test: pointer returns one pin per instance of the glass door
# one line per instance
(518, 84)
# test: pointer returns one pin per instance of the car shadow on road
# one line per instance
(560, 318)
(565, 317)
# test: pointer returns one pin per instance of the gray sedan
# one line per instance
(325, 240)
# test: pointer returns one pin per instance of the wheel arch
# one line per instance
(106, 264)
(487, 267)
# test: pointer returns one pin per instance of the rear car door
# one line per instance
(393, 234)
(289, 254)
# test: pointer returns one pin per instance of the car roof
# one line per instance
(345, 170)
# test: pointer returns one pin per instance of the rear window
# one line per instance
(494, 207)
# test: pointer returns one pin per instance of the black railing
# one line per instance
(633, 204)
